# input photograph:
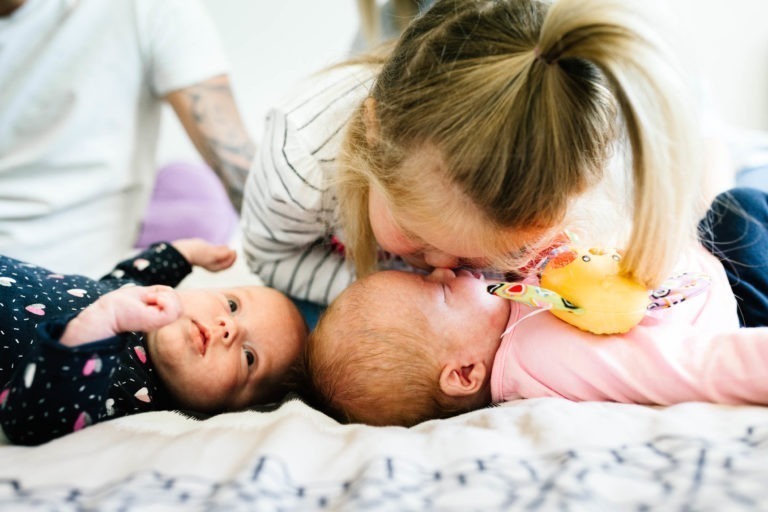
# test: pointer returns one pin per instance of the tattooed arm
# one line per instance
(209, 115)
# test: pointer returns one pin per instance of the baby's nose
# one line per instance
(227, 330)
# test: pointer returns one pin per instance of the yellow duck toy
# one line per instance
(585, 288)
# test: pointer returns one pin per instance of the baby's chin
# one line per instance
(500, 311)
(504, 308)
(199, 405)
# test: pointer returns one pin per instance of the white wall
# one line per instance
(730, 44)
(272, 44)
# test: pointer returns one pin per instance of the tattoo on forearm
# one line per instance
(222, 139)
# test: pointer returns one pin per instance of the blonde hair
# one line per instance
(359, 372)
(526, 102)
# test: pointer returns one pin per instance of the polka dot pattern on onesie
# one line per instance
(47, 389)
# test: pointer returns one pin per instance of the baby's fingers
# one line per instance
(219, 258)
(131, 308)
(162, 306)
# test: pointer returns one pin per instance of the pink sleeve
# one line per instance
(735, 368)
(678, 364)
(693, 351)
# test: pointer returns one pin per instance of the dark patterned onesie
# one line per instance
(47, 389)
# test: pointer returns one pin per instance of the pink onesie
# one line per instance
(693, 351)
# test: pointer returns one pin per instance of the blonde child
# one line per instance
(474, 143)
(76, 351)
(399, 348)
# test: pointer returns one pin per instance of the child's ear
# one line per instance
(457, 380)
(371, 121)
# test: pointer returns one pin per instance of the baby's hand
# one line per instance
(131, 308)
(200, 253)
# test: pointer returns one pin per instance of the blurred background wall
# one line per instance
(273, 44)
(729, 42)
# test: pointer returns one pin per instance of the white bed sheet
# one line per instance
(539, 454)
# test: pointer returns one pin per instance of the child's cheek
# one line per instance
(395, 241)
(404, 246)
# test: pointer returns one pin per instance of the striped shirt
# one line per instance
(290, 210)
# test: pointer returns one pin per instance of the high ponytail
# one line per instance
(526, 104)
(655, 105)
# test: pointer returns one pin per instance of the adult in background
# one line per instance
(82, 83)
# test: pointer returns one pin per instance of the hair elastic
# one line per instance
(540, 56)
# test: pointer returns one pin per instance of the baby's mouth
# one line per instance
(201, 337)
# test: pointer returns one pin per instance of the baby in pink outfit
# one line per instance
(399, 348)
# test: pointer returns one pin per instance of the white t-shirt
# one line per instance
(81, 88)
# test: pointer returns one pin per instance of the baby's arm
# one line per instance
(200, 253)
(131, 308)
(655, 363)
(64, 383)
(168, 263)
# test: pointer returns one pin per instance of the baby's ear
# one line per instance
(458, 381)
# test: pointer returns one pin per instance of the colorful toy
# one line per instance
(585, 287)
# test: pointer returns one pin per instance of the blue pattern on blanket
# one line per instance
(677, 473)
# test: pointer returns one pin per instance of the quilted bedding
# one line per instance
(542, 454)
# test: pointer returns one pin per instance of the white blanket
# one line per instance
(543, 454)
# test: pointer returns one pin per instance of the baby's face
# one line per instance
(460, 313)
(229, 348)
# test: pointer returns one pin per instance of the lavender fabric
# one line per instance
(188, 201)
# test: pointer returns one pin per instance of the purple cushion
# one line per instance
(188, 201)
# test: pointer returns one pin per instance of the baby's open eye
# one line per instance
(249, 357)
(232, 305)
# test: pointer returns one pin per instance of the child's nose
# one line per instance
(441, 274)
(439, 259)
